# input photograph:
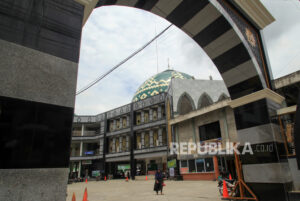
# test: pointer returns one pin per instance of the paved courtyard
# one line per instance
(116, 190)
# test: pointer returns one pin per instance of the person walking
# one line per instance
(158, 185)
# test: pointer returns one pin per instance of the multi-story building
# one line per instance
(136, 136)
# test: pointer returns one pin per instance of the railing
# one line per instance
(75, 154)
(76, 133)
(90, 133)
(155, 144)
(85, 133)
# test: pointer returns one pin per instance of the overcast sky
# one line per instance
(113, 32)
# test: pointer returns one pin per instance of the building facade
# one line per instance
(138, 134)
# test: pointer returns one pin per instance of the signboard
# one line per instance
(172, 163)
(184, 170)
(124, 167)
(96, 173)
(89, 152)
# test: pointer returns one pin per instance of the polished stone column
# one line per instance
(160, 136)
(143, 139)
(39, 50)
(151, 138)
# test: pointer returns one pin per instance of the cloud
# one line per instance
(282, 36)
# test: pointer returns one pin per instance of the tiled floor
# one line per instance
(120, 190)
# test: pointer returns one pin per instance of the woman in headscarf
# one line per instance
(158, 186)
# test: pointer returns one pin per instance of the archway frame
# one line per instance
(49, 37)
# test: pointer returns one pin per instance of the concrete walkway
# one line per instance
(120, 190)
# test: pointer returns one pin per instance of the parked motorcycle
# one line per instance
(229, 183)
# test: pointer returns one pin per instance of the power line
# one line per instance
(122, 62)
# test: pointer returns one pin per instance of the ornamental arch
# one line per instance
(39, 48)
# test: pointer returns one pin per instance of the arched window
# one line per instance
(204, 101)
(222, 97)
(185, 104)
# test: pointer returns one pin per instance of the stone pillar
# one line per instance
(102, 127)
(143, 139)
(81, 148)
(127, 121)
(254, 120)
(101, 147)
(151, 138)
(151, 114)
(127, 142)
(159, 112)
(114, 124)
(39, 66)
(142, 117)
(216, 167)
(82, 129)
(114, 145)
(160, 136)
(79, 170)
(121, 123)
(120, 143)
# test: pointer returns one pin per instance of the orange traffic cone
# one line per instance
(225, 191)
(73, 197)
(85, 195)
(146, 178)
(86, 181)
(105, 178)
(230, 177)
(126, 178)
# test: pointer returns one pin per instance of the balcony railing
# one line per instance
(76, 133)
(90, 133)
(75, 154)
(85, 133)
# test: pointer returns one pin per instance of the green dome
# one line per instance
(158, 83)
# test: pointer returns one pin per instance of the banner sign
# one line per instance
(172, 163)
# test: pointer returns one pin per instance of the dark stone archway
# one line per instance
(39, 49)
